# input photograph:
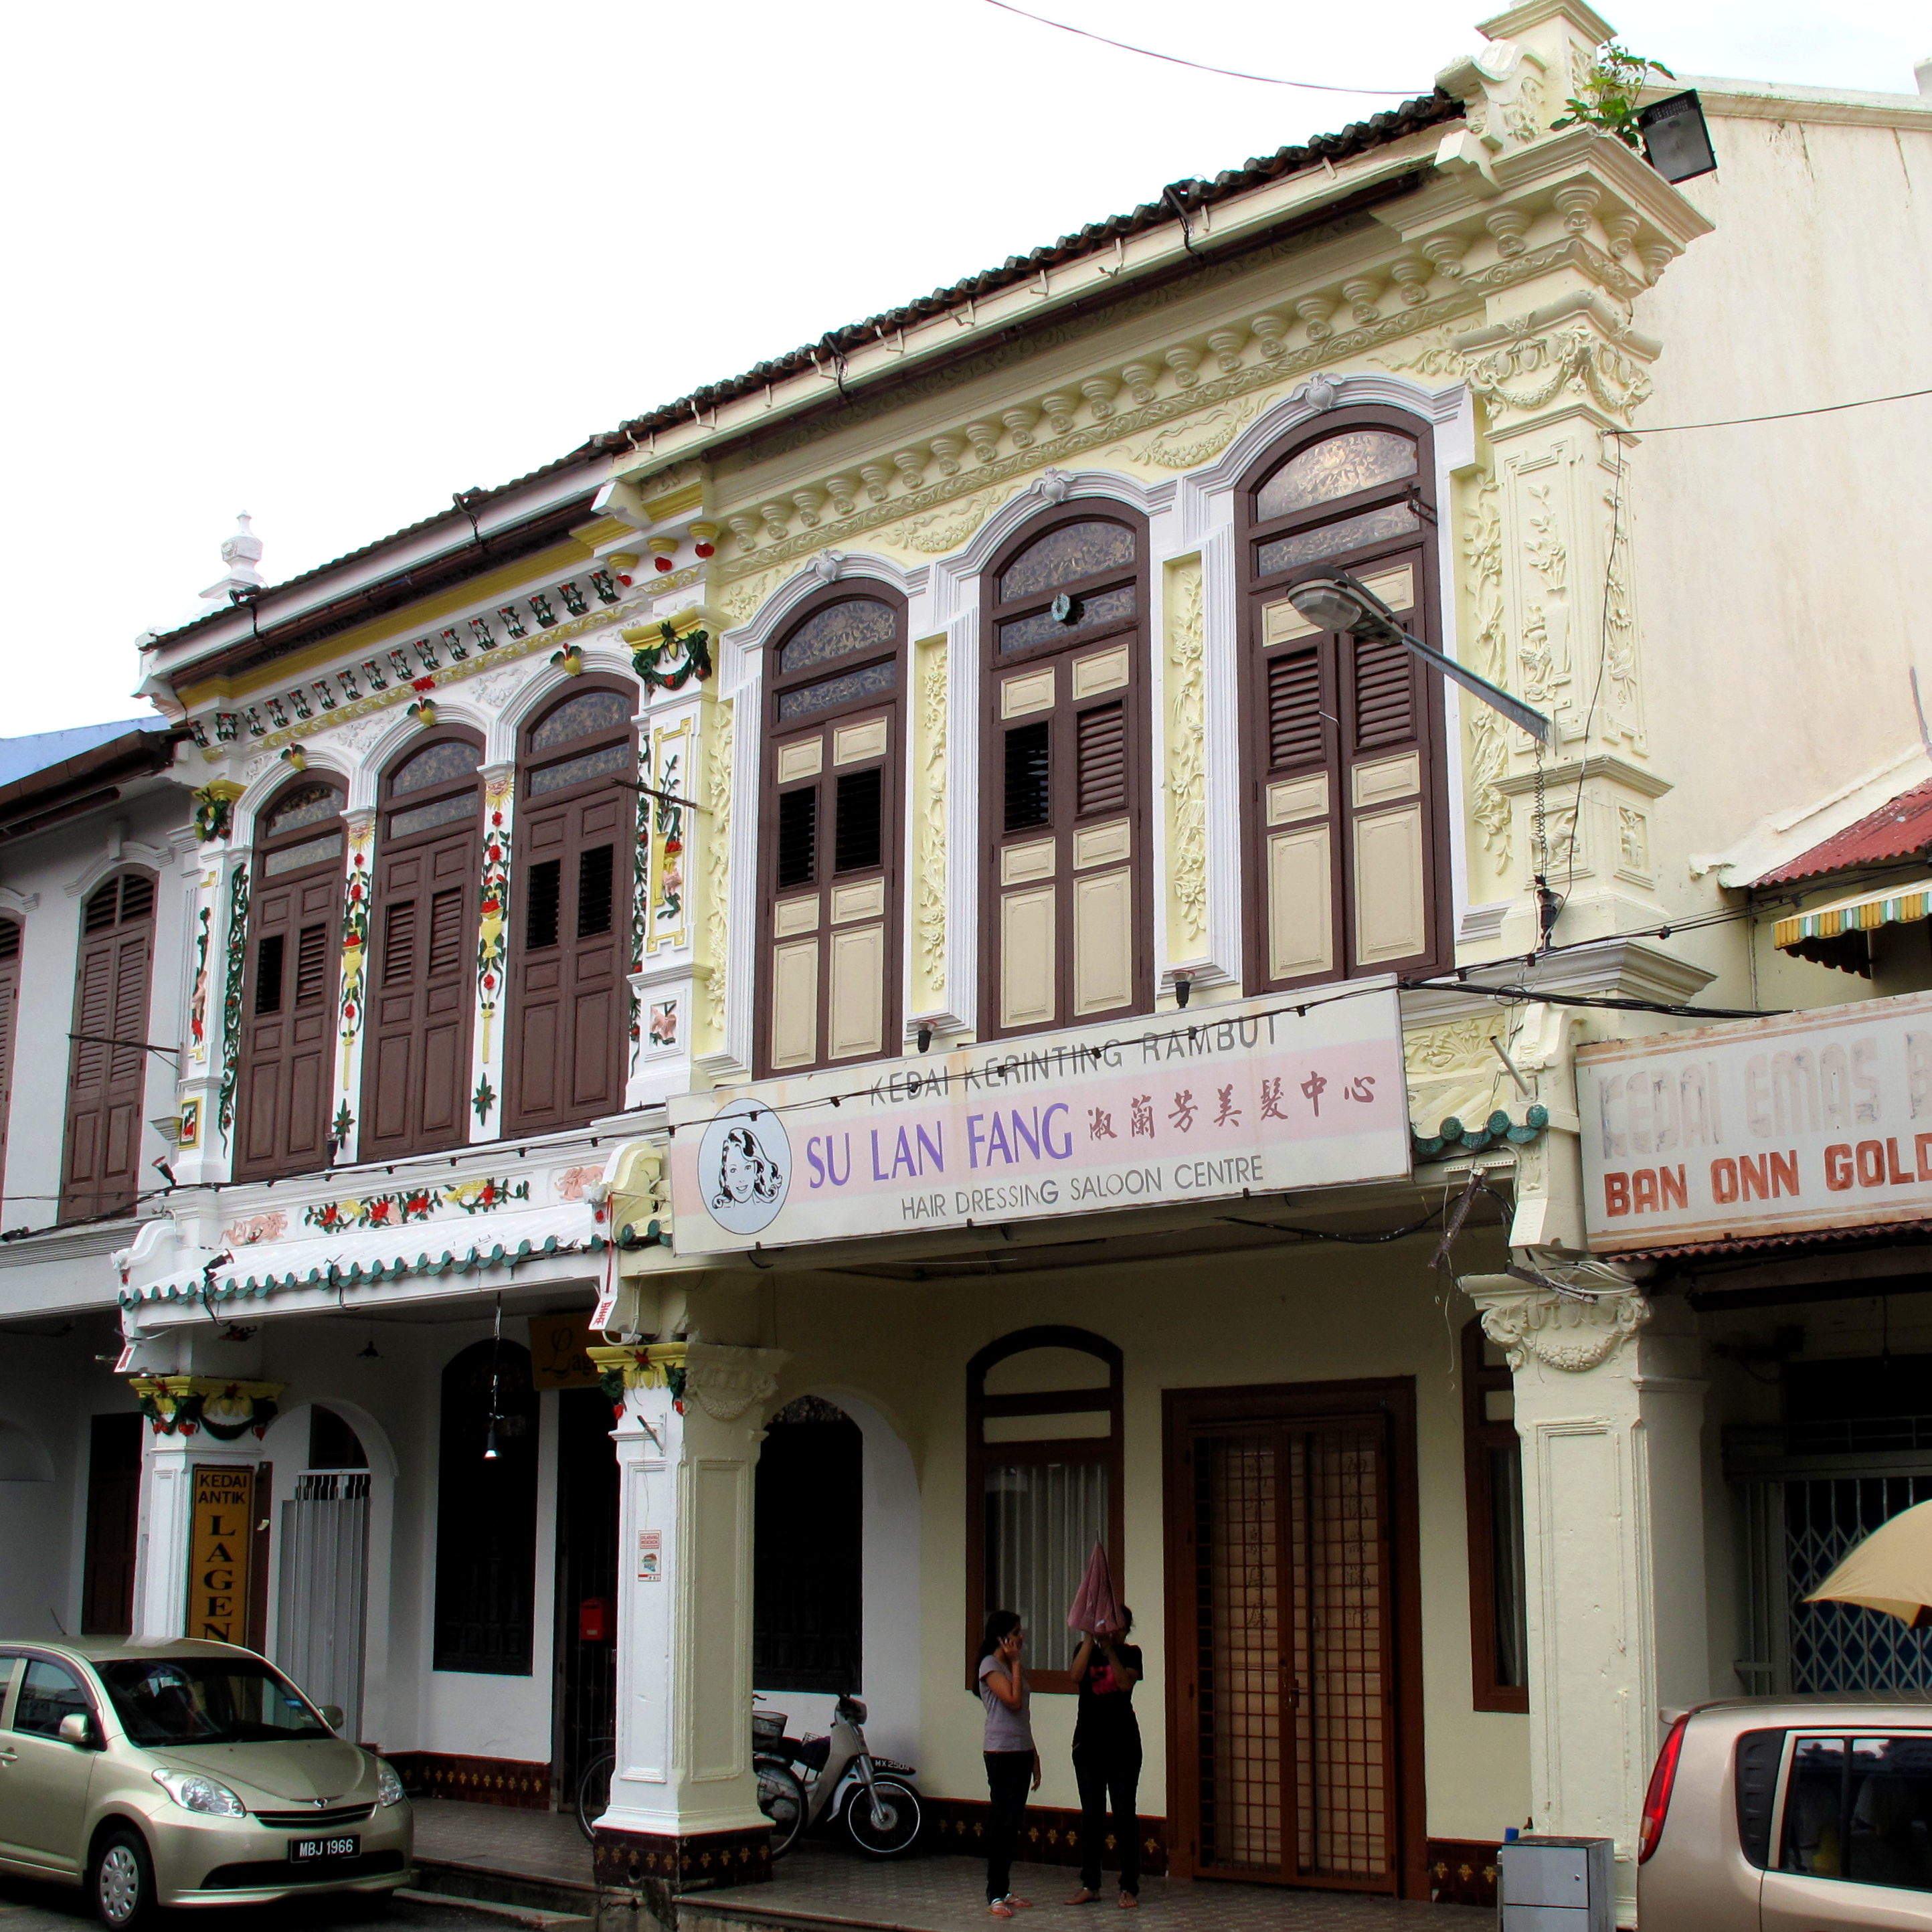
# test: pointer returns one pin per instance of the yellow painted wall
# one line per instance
(1315, 1314)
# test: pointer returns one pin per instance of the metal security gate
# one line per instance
(1796, 1530)
(1294, 1770)
(324, 1586)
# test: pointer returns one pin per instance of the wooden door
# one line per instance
(1294, 1697)
(1064, 777)
(107, 1065)
(113, 1514)
(422, 992)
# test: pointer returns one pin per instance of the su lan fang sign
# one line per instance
(1820, 1120)
(1252, 1098)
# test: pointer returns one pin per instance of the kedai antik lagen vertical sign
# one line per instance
(1268, 1095)
(221, 1540)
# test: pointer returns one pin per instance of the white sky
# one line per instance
(327, 264)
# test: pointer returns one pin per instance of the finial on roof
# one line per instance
(241, 553)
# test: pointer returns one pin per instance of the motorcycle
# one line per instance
(802, 1782)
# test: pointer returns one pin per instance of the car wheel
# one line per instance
(121, 1880)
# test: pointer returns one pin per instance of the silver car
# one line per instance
(185, 1774)
(1788, 1815)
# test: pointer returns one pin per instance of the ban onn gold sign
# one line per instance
(219, 1543)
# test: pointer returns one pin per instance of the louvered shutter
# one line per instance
(107, 1078)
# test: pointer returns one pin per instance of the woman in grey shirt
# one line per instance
(1013, 1764)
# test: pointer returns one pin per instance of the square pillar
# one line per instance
(1610, 1411)
(198, 1574)
(683, 1813)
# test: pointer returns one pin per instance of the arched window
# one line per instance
(1346, 797)
(808, 1607)
(289, 998)
(830, 897)
(107, 1060)
(1068, 931)
(9, 1007)
(486, 1512)
(421, 990)
(1043, 1460)
(574, 871)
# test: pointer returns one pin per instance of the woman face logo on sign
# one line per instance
(744, 1167)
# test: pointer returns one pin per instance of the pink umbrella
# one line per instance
(1096, 1607)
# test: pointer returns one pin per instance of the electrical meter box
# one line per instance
(1557, 1885)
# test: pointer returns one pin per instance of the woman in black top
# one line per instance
(1107, 1757)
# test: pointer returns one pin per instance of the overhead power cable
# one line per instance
(1199, 67)
(1776, 415)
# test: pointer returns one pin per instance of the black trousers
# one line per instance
(1102, 1771)
(1008, 1775)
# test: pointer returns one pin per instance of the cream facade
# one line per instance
(935, 697)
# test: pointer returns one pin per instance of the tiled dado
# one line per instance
(477, 1780)
(701, 1863)
(1047, 1836)
(1462, 1871)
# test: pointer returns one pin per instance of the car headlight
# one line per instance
(389, 1786)
(193, 1792)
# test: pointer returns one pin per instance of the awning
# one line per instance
(1865, 914)
(365, 1256)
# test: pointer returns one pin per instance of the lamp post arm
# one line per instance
(1514, 709)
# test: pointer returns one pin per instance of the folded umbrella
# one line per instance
(1890, 1571)
(1096, 1607)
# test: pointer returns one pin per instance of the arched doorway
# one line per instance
(323, 1607)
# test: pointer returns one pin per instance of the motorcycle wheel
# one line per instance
(781, 1799)
(896, 1829)
(593, 1791)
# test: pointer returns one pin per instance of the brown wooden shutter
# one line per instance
(1065, 776)
(291, 1001)
(113, 1515)
(415, 1070)
(107, 1080)
(568, 993)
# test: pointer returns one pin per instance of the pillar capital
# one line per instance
(1531, 1324)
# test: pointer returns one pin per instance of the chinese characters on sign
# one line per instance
(1807, 1120)
(1257, 1097)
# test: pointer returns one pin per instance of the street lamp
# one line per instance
(1340, 602)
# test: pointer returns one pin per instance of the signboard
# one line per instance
(1264, 1096)
(650, 1555)
(558, 1356)
(221, 1524)
(1759, 1128)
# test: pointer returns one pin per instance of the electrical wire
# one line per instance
(1175, 60)
(1776, 415)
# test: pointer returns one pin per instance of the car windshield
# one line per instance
(207, 1700)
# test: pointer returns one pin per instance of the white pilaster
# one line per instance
(687, 1444)
(1610, 1409)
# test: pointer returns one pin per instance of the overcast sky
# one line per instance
(328, 264)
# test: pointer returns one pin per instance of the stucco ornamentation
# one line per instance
(1181, 445)
(1186, 754)
(946, 529)
(724, 1391)
(717, 849)
(1488, 746)
(1562, 1333)
(931, 907)
(231, 997)
(1528, 373)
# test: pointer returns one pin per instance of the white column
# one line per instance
(167, 1485)
(1610, 1409)
(684, 1810)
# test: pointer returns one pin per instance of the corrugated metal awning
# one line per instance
(1864, 913)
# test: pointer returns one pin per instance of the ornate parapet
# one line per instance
(226, 1410)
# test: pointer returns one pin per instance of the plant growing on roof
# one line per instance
(1609, 96)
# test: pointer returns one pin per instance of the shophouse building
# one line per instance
(855, 925)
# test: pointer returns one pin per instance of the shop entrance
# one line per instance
(586, 1582)
(1295, 1719)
